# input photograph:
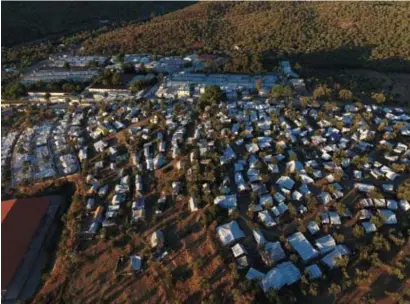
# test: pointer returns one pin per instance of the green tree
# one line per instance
(379, 98)
(335, 289)
(322, 93)
(345, 95)
(304, 101)
(358, 231)
(258, 84)
(273, 297)
(256, 63)
(47, 96)
(119, 58)
(212, 96)
(14, 91)
(92, 64)
(116, 79)
(142, 68)
(281, 91)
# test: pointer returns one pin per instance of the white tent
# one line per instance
(369, 227)
(294, 166)
(285, 182)
(388, 216)
(254, 274)
(283, 274)
(325, 244)
(259, 238)
(313, 272)
(266, 219)
(302, 246)
(238, 250)
(265, 199)
(226, 201)
(157, 239)
(275, 251)
(313, 227)
(229, 233)
(136, 263)
(330, 260)
(193, 206)
(404, 205)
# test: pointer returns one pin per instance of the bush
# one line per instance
(379, 98)
(281, 91)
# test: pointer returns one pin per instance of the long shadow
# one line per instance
(111, 298)
(147, 296)
(351, 57)
(173, 240)
(332, 67)
(194, 298)
(390, 283)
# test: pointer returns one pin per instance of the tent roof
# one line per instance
(283, 274)
(303, 247)
(229, 232)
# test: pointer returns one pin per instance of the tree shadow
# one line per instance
(147, 296)
(194, 298)
(351, 57)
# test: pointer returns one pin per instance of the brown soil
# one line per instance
(96, 278)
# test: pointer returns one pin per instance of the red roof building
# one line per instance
(19, 221)
(25, 224)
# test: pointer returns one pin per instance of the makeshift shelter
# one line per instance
(157, 239)
(369, 227)
(266, 219)
(389, 216)
(226, 201)
(229, 233)
(330, 260)
(283, 274)
(238, 250)
(404, 205)
(193, 205)
(313, 227)
(275, 251)
(325, 244)
(259, 238)
(313, 271)
(285, 182)
(302, 246)
(254, 274)
(136, 263)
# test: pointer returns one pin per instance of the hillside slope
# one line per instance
(338, 33)
(27, 21)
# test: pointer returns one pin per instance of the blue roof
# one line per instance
(139, 204)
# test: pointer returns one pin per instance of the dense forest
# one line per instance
(323, 34)
(27, 21)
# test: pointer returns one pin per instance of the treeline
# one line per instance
(142, 84)
(108, 78)
(15, 90)
(23, 56)
(337, 34)
(63, 86)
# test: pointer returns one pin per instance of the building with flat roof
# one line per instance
(76, 61)
(28, 225)
(230, 83)
(58, 74)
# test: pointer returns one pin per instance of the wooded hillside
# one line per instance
(27, 21)
(348, 34)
